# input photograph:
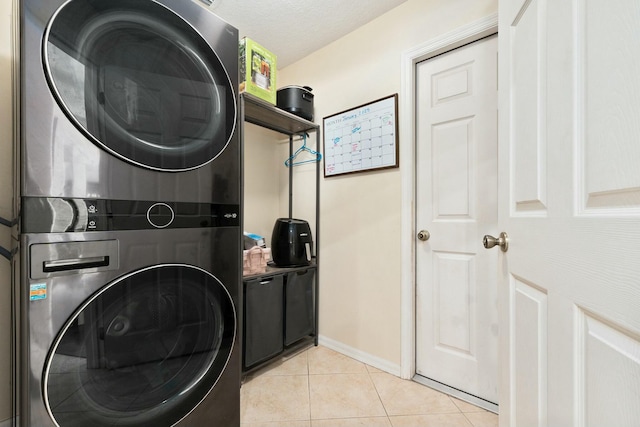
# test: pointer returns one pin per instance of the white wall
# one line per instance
(262, 184)
(360, 214)
(6, 186)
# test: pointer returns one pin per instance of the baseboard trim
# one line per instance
(359, 355)
(8, 423)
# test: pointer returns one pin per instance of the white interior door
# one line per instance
(456, 182)
(569, 199)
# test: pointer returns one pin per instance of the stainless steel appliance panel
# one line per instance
(61, 159)
(54, 303)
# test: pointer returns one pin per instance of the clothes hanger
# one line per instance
(289, 162)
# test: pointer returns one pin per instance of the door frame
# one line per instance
(452, 40)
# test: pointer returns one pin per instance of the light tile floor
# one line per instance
(322, 388)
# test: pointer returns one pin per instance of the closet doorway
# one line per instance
(456, 205)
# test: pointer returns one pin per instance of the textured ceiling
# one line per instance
(292, 29)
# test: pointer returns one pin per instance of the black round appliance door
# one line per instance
(143, 351)
(140, 82)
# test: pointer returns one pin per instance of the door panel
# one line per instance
(529, 318)
(452, 148)
(528, 135)
(456, 330)
(569, 192)
(608, 90)
(453, 315)
(608, 361)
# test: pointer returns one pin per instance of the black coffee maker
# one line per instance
(291, 243)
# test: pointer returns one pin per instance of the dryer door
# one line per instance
(140, 82)
(144, 350)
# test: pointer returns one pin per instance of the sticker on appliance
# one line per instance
(37, 291)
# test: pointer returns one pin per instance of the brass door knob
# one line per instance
(502, 241)
(423, 235)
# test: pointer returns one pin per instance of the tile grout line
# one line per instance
(467, 418)
(378, 394)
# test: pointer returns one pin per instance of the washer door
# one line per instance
(140, 82)
(144, 350)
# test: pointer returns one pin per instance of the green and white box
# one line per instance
(257, 70)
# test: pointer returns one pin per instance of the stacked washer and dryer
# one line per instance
(130, 215)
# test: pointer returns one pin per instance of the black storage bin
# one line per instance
(263, 319)
(299, 306)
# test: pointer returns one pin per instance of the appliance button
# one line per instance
(92, 223)
(160, 215)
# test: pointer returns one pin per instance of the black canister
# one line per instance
(291, 242)
(297, 100)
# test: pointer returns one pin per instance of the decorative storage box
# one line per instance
(257, 70)
(254, 260)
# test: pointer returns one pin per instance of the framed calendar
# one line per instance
(362, 139)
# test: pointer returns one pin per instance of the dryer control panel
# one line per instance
(59, 215)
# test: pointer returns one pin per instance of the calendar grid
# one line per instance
(361, 139)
